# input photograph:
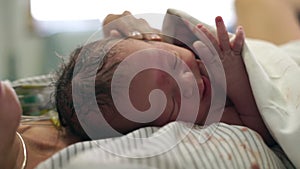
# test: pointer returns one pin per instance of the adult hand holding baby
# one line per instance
(126, 25)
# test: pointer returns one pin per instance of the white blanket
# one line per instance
(274, 74)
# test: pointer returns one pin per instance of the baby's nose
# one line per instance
(188, 86)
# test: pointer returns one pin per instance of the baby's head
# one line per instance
(79, 61)
(105, 56)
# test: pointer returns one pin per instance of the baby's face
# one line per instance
(145, 81)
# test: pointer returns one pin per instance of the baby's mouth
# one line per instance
(204, 78)
(206, 85)
(173, 114)
(202, 68)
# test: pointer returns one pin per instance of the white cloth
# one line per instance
(274, 75)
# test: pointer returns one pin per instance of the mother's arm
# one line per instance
(10, 115)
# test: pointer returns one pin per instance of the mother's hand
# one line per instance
(126, 25)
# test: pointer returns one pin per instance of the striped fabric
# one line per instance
(42, 80)
(229, 147)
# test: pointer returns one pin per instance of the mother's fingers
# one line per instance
(128, 25)
(111, 17)
(135, 34)
(152, 36)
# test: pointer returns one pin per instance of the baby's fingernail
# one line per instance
(219, 19)
(239, 29)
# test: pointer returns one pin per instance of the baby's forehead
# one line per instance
(129, 46)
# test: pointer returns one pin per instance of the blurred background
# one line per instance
(35, 32)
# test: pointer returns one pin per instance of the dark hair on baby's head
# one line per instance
(94, 57)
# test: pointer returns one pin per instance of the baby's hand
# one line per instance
(126, 25)
(229, 52)
(238, 84)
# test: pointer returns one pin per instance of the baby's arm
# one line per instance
(244, 110)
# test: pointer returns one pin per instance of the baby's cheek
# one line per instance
(165, 117)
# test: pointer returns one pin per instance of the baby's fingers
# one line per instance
(203, 52)
(238, 42)
(210, 37)
(211, 61)
(223, 35)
